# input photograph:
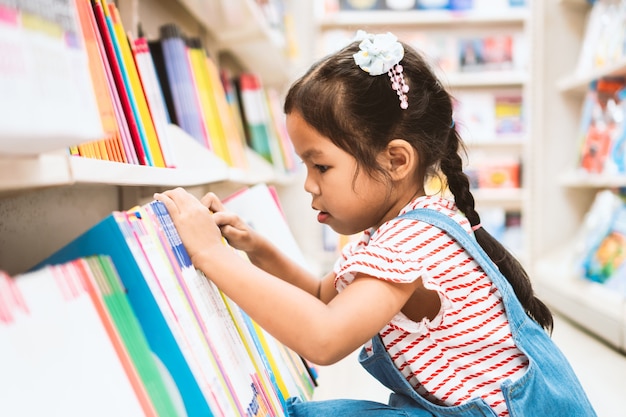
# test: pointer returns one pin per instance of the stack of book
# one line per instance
(119, 322)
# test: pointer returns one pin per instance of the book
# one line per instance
(117, 74)
(236, 131)
(122, 124)
(47, 80)
(114, 236)
(260, 208)
(105, 276)
(112, 139)
(171, 59)
(56, 352)
(601, 125)
(148, 134)
(154, 96)
(255, 116)
(206, 97)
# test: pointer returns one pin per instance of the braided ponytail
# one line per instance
(458, 183)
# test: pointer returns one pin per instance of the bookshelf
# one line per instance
(439, 33)
(566, 194)
(239, 35)
(48, 198)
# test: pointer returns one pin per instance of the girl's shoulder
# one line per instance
(440, 204)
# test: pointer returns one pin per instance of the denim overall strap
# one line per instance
(515, 313)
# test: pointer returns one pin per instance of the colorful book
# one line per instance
(255, 116)
(216, 323)
(56, 351)
(117, 72)
(111, 290)
(112, 140)
(113, 236)
(210, 116)
(172, 63)
(147, 132)
(122, 124)
(234, 136)
(46, 79)
(154, 96)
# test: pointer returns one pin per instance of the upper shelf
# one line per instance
(240, 27)
(423, 17)
(200, 167)
(579, 83)
(579, 179)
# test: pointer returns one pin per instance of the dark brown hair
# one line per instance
(361, 113)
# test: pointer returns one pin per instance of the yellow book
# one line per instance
(235, 141)
(197, 58)
(145, 118)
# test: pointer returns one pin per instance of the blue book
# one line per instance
(175, 75)
(113, 236)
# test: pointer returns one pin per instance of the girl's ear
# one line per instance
(399, 158)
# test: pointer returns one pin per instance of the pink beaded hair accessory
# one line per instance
(381, 54)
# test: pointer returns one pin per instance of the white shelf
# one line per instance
(423, 18)
(240, 27)
(579, 83)
(577, 179)
(504, 142)
(485, 79)
(198, 166)
(598, 309)
(508, 198)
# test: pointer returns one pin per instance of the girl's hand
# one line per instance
(193, 221)
(236, 231)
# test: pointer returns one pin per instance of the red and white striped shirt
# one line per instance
(467, 350)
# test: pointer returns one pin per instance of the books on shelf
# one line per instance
(495, 116)
(602, 129)
(600, 244)
(604, 36)
(184, 347)
(45, 78)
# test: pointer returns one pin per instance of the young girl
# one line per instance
(446, 315)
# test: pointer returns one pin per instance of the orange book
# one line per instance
(100, 84)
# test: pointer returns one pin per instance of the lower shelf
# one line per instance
(597, 309)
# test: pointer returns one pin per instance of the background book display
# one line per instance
(480, 51)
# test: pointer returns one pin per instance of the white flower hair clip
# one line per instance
(381, 54)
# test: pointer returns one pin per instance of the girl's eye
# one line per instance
(321, 168)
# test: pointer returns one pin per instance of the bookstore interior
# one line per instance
(103, 103)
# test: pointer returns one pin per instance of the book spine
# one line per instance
(118, 77)
(149, 134)
(154, 96)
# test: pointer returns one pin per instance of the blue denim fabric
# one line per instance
(548, 388)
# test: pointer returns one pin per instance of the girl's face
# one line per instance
(346, 201)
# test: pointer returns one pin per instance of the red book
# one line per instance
(119, 82)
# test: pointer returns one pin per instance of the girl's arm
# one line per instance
(323, 333)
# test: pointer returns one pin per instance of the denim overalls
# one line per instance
(549, 388)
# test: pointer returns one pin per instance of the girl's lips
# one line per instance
(322, 216)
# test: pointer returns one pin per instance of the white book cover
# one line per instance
(55, 354)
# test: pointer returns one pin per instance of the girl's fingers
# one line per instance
(212, 202)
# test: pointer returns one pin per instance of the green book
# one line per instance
(126, 322)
